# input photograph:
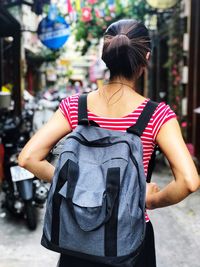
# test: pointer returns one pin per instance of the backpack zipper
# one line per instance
(85, 143)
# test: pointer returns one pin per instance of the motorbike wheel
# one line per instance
(30, 213)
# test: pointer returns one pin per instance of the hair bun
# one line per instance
(119, 41)
(126, 43)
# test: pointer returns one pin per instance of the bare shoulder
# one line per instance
(92, 96)
(94, 101)
(171, 142)
(170, 129)
(170, 133)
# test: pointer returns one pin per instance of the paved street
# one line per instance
(20, 247)
(177, 232)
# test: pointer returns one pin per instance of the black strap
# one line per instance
(73, 172)
(112, 191)
(110, 246)
(56, 203)
(151, 165)
(143, 119)
(82, 110)
(139, 128)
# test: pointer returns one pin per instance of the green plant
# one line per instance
(93, 29)
(174, 66)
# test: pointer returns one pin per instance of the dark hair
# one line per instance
(126, 43)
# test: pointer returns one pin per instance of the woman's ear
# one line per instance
(140, 72)
(148, 55)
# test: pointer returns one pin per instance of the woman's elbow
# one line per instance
(195, 187)
(24, 160)
(194, 184)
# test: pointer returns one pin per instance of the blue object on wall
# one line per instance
(53, 33)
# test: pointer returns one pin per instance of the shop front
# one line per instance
(193, 93)
(10, 55)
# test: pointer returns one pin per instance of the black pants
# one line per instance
(146, 259)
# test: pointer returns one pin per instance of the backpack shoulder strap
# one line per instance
(152, 163)
(139, 128)
(144, 118)
(82, 110)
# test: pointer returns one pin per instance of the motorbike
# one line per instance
(22, 190)
(47, 103)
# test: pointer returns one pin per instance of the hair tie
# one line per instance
(123, 34)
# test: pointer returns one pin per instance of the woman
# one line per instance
(116, 106)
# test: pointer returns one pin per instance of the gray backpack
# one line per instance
(96, 202)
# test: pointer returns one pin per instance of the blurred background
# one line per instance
(52, 49)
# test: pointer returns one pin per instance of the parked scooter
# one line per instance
(23, 191)
(47, 103)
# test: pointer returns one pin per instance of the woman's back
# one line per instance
(117, 106)
(120, 121)
(115, 100)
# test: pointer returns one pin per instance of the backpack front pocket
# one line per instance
(90, 208)
(84, 198)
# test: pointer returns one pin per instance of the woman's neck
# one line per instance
(111, 85)
(114, 90)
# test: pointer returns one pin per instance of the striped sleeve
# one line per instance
(162, 114)
(64, 107)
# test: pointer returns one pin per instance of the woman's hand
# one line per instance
(186, 179)
(151, 190)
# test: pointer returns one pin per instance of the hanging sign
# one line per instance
(162, 4)
(53, 31)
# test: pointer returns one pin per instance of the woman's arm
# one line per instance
(33, 156)
(186, 179)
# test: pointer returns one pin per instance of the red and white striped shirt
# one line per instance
(163, 113)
